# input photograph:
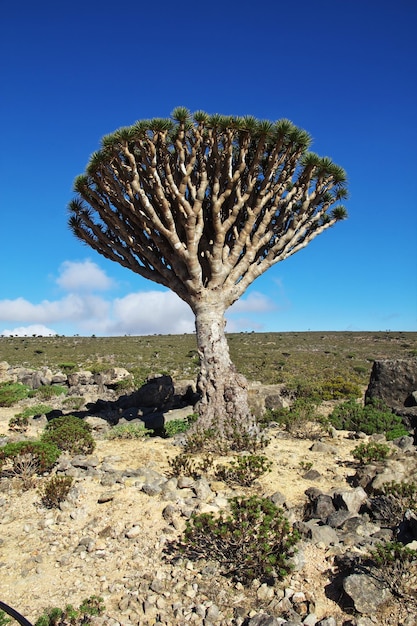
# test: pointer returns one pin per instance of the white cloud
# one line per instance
(76, 276)
(29, 331)
(149, 312)
(81, 311)
(141, 313)
(72, 307)
(255, 302)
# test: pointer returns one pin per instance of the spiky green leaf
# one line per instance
(181, 114)
(339, 213)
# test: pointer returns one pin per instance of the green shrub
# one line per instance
(371, 418)
(69, 433)
(185, 464)
(128, 431)
(243, 470)
(300, 420)
(10, 393)
(232, 439)
(337, 388)
(372, 451)
(68, 367)
(37, 409)
(174, 427)
(253, 541)
(405, 493)
(45, 453)
(74, 402)
(55, 490)
(395, 565)
(70, 616)
(19, 423)
(46, 392)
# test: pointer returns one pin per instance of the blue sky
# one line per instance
(73, 72)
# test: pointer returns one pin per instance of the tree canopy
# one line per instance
(205, 202)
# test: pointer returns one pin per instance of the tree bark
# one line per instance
(223, 406)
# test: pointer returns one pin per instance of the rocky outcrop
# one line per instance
(394, 382)
(153, 403)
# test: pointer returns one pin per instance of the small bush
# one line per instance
(45, 453)
(19, 423)
(372, 451)
(174, 427)
(24, 467)
(37, 409)
(396, 566)
(10, 393)
(74, 402)
(68, 367)
(69, 433)
(128, 431)
(70, 616)
(55, 490)
(405, 493)
(232, 439)
(337, 388)
(370, 419)
(253, 541)
(46, 392)
(243, 470)
(186, 465)
(300, 420)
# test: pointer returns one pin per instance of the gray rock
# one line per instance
(152, 489)
(264, 620)
(312, 474)
(336, 519)
(85, 462)
(350, 500)
(321, 533)
(367, 593)
(321, 507)
(319, 446)
(202, 489)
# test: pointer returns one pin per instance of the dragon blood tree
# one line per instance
(204, 204)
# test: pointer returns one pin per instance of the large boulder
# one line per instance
(394, 381)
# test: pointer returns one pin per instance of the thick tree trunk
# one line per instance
(223, 407)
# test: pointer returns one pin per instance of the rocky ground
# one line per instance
(109, 537)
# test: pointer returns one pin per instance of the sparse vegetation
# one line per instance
(301, 420)
(405, 493)
(46, 392)
(396, 565)
(254, 540)
(128, 431)
(177, 426)
(70, 616)
(259, 356)
(187, 465)
(55, 490)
